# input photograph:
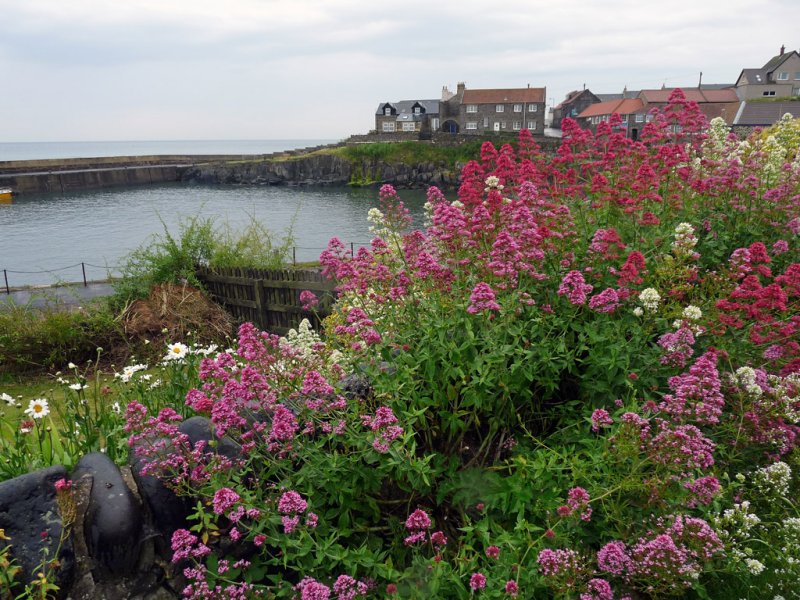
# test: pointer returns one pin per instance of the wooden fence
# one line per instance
(269, 298)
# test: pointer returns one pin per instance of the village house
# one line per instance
(408, 116)
(626, 108)
(501, 110)
(573, 105)
(779, 78)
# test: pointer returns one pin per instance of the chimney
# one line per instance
(461, 87)
(446, 94)
(783, 49)
(529, 86)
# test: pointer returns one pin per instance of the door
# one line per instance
(497, 126)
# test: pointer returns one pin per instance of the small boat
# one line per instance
(6, 194)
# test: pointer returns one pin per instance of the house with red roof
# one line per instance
(626, 108)
(497, 110)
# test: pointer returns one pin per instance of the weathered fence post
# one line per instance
(83, 269)
(258, 295)
(5, 276)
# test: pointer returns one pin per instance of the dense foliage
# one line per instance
(580, 380)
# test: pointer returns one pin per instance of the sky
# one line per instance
(98, 70)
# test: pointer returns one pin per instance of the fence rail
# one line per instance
(269, 298)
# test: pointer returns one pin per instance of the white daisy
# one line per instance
(38, 408)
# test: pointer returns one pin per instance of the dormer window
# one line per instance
(387, 111)
(417, 110)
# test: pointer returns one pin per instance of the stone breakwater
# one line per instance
(324, 170)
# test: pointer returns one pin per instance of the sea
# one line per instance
(59, 237)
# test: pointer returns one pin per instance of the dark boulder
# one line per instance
(199, 429)
(31, 519)
(113, 521)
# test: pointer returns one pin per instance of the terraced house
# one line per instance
(497, 110)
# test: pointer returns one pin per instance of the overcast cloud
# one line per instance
(278, 69)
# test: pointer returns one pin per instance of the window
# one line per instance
(518, 108)
(387, 111)
(502, 124)
(783, 76)
(472, 108)
(532, 125)
(517, 125)
(624, 118)
(640, 118)
(486, 122)
(417, 110)
(472, 125)
(499, 107)
(388, 127)
(532, 108)
(649, 118)
(797, 76)
(435, 124)
(769, 93)
(409, 127)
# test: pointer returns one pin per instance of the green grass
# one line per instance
(410, 152)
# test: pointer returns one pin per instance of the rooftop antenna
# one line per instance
(700, 83)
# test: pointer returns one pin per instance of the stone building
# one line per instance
(502, 110)
(408, 116)
(778, 78)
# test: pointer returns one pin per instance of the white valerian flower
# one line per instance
(773, 479)
(176, 351)
(38, 408)
(7, 399)
(492, 182)
(685, 240)
(692, 313)
(638, 312)
(78, 386)
(754, 566)
(457, 204)
(72, 365)
(650, 299)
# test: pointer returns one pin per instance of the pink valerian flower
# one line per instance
(438, 538)
(308, 300)
(383, 425)
(311, 589)
(598, 589)
(316, 385)
(183, 542)
(670, 561)
(224, 498)
(557, 562)
(290, 523)
(601, 418)
(606, 301)
(613, 558)
(682, 448)
(311, 520)
(347, 588)
(607, 243)
(697, 395)
(780, 247)
(577, 502)
(63, 485)
(284, 428)
(678, 347)
(477, 582)
(418, 520)
(415, 538)
(703, 491)
(291, 502)
(482, 299)
(574, 287)
(512, 589)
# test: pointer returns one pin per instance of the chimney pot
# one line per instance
(783, 49)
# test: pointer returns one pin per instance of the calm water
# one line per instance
(54, 231)
(42, 150)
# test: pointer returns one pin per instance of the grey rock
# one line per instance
(30, 517)
(113, 521)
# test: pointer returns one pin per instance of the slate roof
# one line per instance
(700, 96)
(500, 96)
(404, 106)
(767, 113)
(622, 106)
(573, 96)
(754, 76)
